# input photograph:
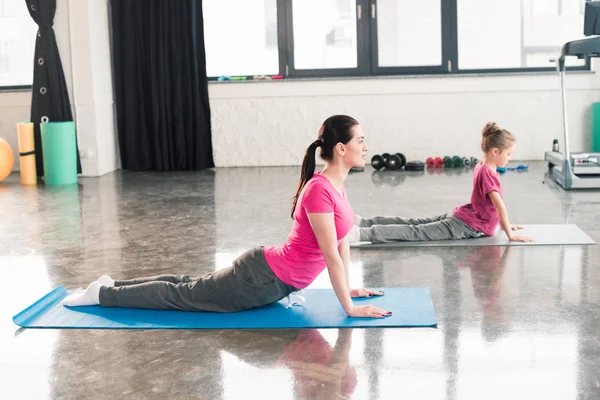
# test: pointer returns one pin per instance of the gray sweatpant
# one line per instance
(248, 283)
(393, 229)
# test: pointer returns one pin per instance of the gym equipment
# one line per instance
(595, 142)
(542, 234)
(393, 162)
(410, 307)
(448, 163)
(7, 159)
(457, 162)
(377, 162)
(466, 161)
(28, 167)
(437, 162)
(402, 159)
(414, 166)
(520, 168)
(576, 170)
(385, 157)
(60, 152)
(474, 161)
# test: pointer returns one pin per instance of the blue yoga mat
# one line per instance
(411, 307)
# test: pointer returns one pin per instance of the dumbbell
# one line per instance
(402, 159)
(389, 161)
(377, 162)
(474, 161)
(437, 162)
(466, 161)
(457, 162)
(385, 158)
(394, 162)
(448, 163)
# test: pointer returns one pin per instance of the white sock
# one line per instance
(106, 280)
(354, 235)
(357, 219)
(87, 297)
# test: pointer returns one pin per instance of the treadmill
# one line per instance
(577, 170)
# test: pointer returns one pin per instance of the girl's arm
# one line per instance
(504, 221)
(323, 225)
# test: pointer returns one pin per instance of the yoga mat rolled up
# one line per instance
(595, 140)
(28, 169)
(60, 152)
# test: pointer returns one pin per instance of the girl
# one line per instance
(478, 218)
(322, 218)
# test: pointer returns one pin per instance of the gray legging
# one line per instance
(248, 283)
(394, 229)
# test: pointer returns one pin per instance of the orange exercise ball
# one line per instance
(7, 159)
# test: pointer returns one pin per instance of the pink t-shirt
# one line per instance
(299, 260)
(480, 214)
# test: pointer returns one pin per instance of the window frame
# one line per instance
(367, 49)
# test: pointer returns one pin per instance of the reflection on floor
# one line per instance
(514, 322)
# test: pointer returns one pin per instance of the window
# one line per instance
(240, 37)
(17, 44)
(324, 34)
(300, 38)
(516, 33)
(398, 21)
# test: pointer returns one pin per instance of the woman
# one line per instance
(322, 218)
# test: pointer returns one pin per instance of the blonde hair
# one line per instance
(494, 137)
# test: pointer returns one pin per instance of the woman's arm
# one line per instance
(323, 225)
(344, 250)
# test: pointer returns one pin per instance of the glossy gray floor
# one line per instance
(514, 322)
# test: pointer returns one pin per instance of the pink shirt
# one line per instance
(299, 260)
(480, 214)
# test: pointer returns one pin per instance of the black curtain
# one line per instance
(161, 91)
(49, 97)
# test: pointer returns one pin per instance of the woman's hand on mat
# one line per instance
(516, 227)
(520, 239)
(368, 312)
(364, 293)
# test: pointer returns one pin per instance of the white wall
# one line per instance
(82, 34)
(14, 108)
(272, 123)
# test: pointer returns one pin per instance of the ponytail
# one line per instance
(308, 170)
(335, 129)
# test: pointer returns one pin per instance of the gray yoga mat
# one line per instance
(542, 234)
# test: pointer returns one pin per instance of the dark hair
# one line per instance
(493, 136)
(335, 129)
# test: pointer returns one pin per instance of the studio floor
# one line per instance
(513, 322)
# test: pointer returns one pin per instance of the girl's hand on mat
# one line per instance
(365, 293)
(369, 312)
(520, 239)
(516, 227)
